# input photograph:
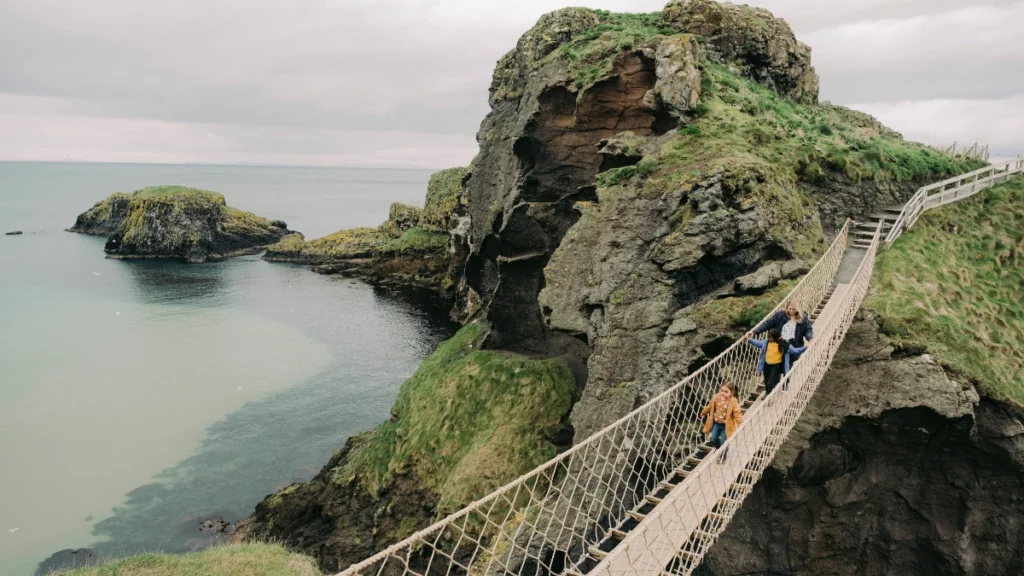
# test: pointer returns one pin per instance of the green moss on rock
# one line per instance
(105, 216)
(443, 195)
(466, 422)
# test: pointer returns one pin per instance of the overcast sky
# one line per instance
(404, 82)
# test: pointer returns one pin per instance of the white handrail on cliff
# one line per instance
(643, 495)
(951, 190)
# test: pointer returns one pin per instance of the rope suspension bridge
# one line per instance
(646, 495)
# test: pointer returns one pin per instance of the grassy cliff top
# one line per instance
(236, 560)
(953, 287)
(466, 422)
(153, 192)
(767, 146)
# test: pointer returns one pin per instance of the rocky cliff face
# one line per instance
(177, 222)
(644, 184)
(105, 217)
(896, 467)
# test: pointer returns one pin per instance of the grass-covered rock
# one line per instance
(251, 559)
(104, 218)
(410, 248)
(177, 222)
(953, 287)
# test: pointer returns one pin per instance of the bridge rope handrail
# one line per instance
(644, 483)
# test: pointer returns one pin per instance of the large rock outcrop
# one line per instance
(177, 222)
(412, 248)
(539, 156)
(761, 46)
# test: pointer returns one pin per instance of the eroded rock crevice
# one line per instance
(549, 167)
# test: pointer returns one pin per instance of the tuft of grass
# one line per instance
(953, 286)
(614, 176)
(647, 165)
(591, 54)
(467, 422)
(416, 239)
(235, 560)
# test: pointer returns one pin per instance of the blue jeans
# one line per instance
(718, 435)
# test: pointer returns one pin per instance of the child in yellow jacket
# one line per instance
(724, 415)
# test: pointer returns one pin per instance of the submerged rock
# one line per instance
(177, 222)
(66, 560)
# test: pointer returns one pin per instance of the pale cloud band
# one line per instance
(404, 82)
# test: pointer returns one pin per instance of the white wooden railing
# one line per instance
(949, 191)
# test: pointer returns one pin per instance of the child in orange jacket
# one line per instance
(724, 415)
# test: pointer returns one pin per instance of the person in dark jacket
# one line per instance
(794, 325)
(776, 358)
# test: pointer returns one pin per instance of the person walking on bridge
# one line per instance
(794, 325)
(776, 358)
(724, 415)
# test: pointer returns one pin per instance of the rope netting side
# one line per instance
(546, 521)
(675, 536)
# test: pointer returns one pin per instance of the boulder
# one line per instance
(761, 45)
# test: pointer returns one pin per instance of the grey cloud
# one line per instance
(304, 76)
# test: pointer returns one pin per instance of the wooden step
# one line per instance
(618, 534)
(639, 517)
(597, 552)
(653, 499)
(666, 485)
(694, 461)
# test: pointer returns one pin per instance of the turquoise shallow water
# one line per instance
(137, 397)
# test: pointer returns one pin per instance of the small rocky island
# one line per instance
(177, 222)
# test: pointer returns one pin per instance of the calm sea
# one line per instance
(137, 398)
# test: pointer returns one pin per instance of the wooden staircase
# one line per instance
(860, 236)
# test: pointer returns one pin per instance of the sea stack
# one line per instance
(177, 222)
